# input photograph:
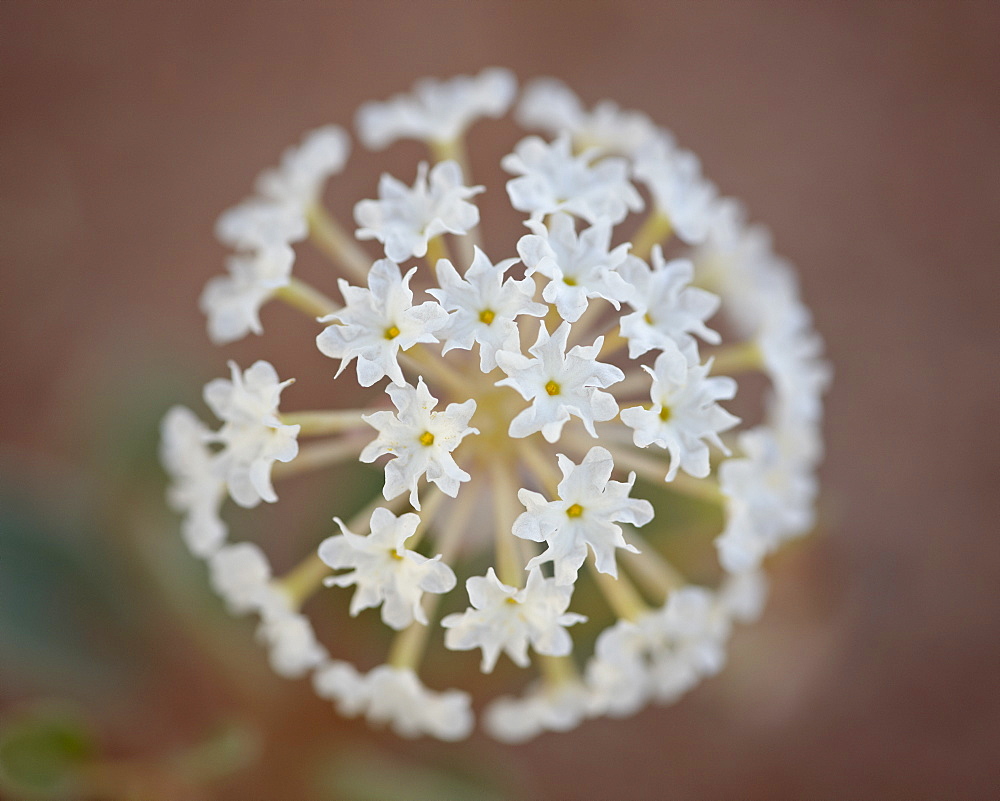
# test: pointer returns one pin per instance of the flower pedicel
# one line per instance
(539, 394)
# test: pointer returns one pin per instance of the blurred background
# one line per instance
(866, 137)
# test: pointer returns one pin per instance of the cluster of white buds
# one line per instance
(515, 477)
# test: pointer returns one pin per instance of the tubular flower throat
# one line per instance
(539, 401)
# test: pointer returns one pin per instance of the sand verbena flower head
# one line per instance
(533, 410)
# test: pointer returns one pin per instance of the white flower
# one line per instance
(395, 696)
(667, 309)
(437, 111)
(299, 180)
(679, 191)
(261, 224)
(550, 105)
(770, 499)
(483, 307)
(385, 572)
(232, 302)
(376, 323)
(404, 219)
(504, 618)
(617, 676)
(687, 639)
(559, 384)
(684, 418)
(553, 179)
(545, 707)
(585, 513)
(253, 435)
(578, 267)
(291, 642)
(197, 489)
(241, 575)
(792, 353)
(420, 439)
(742, 596)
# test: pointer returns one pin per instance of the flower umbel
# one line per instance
(528, 415)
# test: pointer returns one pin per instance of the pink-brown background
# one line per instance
(865, 134)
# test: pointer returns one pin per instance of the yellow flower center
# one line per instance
(510, 599)
(552, 388)
(427, 438)
(396, 555)
(391, 332)
(574, 511)
(665, 413)
(486, 316)
(569, 280)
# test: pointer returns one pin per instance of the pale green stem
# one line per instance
(302, 296)
(656, 575)
(437, 249)
(654, 231)
(320, 454)
(421, 361)
(304, 579)
(557, 670)
(623, 598)
(509, 565)
(333, 421)
(739, 358)
(548, 474)
(332, 239)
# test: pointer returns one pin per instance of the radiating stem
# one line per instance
(619, 592)
(304, 579)
(437, 249)
(509, 565)
(333, 421)
(548, 474)
(654, 231)
(738, 358)
(302, 296)
(421, 361)
(613, 342)
(333, 240)
(656, 575)
(320, 454)
(432, 501)
(557, 670)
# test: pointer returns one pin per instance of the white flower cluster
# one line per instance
(595, 399)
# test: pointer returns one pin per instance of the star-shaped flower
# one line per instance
(684, 417)
(304, 169)
(253, 435)
(384, 571)
(553, 179)
(395, 696)
(559, 384)
(679, 191)
(420, 439)
(376, 323)
(578, 267)
(437, 111)
(504, 618)
(232, 302)
(586, 513)
(197, 489)
(404, 219)
(667, 309)
(483, 307)
(770, 497)
(553, 107)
